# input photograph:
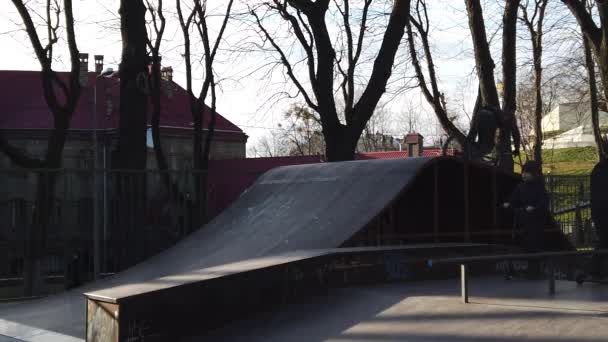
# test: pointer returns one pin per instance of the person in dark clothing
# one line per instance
(599, 211)
(530, 204)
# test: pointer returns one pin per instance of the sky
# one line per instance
(246, 93)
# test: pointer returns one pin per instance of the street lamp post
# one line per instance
(96, 244)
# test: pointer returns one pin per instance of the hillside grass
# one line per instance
(566, 161)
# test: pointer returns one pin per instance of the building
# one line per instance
(567, 116)
(26, 121)
(569, 125)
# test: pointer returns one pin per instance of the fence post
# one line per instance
(551, 193)
(464, 284)
(551, 277)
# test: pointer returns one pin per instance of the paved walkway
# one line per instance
(500, 311)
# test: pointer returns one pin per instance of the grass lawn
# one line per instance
(567, 161)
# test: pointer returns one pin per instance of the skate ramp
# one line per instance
(293, 208)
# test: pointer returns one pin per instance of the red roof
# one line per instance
(427, 152)
(230, 177)
(24, 107)
(381, 155)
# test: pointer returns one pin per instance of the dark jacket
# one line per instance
(599, 193)
(599, 201)
(531, 223)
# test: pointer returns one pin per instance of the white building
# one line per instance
(570, 126)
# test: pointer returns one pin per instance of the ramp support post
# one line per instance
(551, 278)
(464, 284)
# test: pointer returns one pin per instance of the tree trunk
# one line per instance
(589, 63)
(198, 167)
(483, 58)
(601, 59)
(133, 86)
(159, 154)
(206, 157)
(485, 71)
(506, 117)
(45, 194)
(340, 143)
(538, 109)
(132, 149)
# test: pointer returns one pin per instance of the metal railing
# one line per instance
(570, 206)
(137, 215)
(551, 259)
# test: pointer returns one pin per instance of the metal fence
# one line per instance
(102, 224)
(570, 198)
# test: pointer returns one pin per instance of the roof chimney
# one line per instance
(84, 69)
(166, 75)
(98, 64)
(415, 146)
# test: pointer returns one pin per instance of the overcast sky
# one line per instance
(246, 96)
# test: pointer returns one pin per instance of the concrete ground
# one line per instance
(500, 311)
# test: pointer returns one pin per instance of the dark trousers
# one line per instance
(598, 260)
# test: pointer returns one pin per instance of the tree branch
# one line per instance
(284, 61)
(585, 20)
(74, 95)
(308, 47)
(383, 64)
(433, 96)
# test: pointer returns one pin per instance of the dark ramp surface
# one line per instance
(304, 207)
(288, 208)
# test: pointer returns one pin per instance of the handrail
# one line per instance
(464, 261)
(498, 257)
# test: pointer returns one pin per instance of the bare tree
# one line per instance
(158, 22)
(197, 19)
(131, 152)
(485, 70)
(61, 96)
(309, 28)
(302, 131)
(132, 149)
(534, 25)
(377, 135)
(600, 141)
(595, 40)
(428, 82)
(487, 99)
(273, 144)
(597, 35)
(526, 102)
(300, 134)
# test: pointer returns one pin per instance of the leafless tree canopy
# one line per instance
(195, 18)
(60, 94)
(331, 63)
(532, 16)
(488, 97)
(596, 40)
